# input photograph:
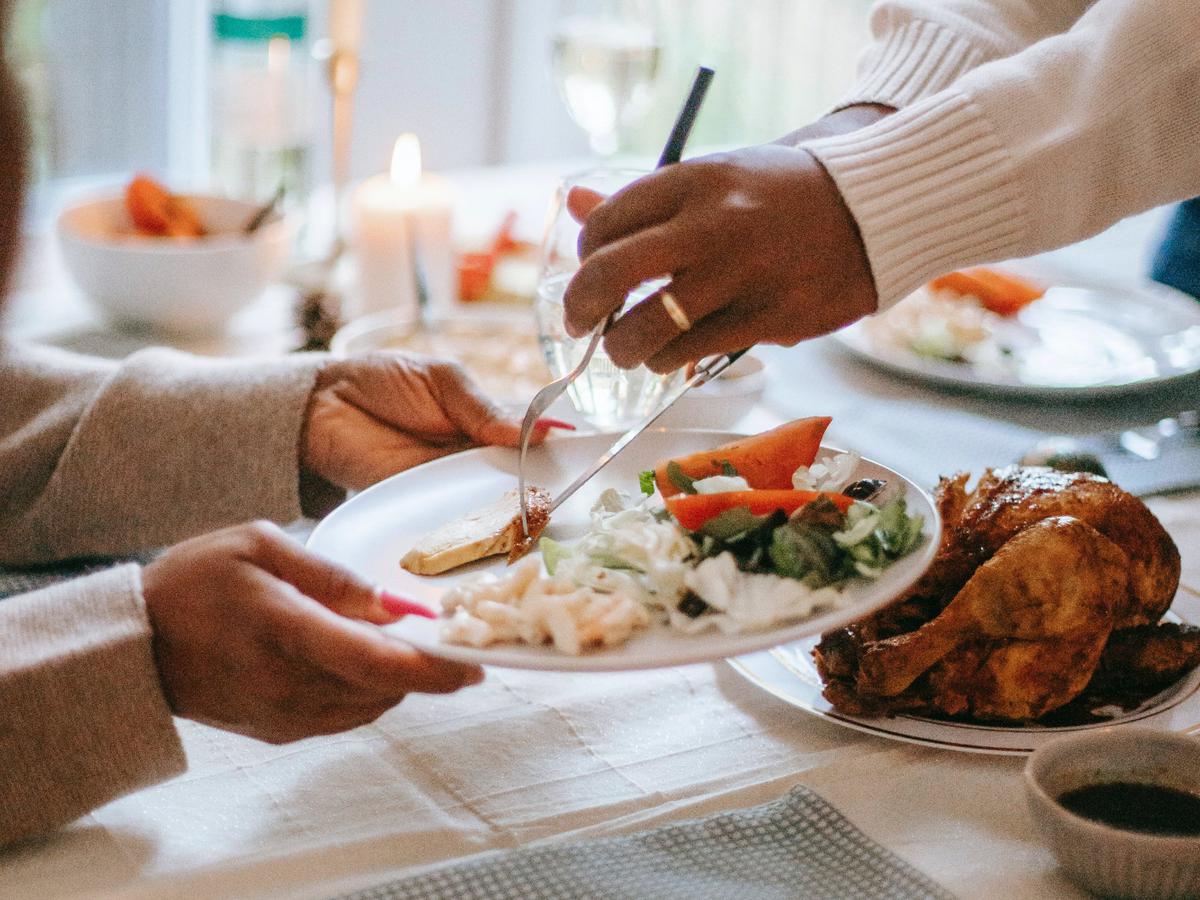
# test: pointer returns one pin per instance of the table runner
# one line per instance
(797, 846)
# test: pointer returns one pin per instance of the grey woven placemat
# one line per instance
(797, 846)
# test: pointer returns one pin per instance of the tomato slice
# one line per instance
(765, 460)
(693, 510)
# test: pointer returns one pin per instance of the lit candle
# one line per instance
(393, 215)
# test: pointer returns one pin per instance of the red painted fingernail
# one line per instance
(398, 606)
(545, 422)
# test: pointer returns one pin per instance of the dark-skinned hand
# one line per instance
(758, 244)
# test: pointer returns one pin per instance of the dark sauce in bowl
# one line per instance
(1148, 808)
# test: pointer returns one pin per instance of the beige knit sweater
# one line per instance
(101, 459)
(1024, 125)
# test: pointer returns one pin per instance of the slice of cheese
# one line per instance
(491, 530)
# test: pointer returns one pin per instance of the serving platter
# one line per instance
(374, 529)
(1079, 341)
(789, 673)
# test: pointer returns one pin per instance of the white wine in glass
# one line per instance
(606, 396)
(605, 68)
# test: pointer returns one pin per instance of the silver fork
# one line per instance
(541, 402)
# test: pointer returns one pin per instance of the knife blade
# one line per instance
(704, 372)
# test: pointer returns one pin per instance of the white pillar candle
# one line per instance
(393, 214)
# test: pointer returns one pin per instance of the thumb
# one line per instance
(581, 201)
(331, 585)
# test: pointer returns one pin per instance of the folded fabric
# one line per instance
(797, 846)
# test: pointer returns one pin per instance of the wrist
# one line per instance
(859, 296)
(840, 121)
(318, 495)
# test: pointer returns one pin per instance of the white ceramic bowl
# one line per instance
(172, 285)
(1111, 861)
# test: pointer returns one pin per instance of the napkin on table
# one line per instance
(797, 846)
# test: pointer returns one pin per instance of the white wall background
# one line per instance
(470, 77)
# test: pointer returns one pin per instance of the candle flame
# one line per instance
(279, 54)
(406, 160)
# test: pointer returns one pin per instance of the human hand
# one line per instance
(254, 635)
(373, 416)
(758, 244)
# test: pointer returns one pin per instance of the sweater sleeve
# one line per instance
(100, 459)
(83, 718)
(1029, 152)
(920, 47)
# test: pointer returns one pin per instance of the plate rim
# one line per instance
(750, 667)
(539, 659)
(853, 339)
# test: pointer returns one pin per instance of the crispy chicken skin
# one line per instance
(1148, 656)
(1037, 570)
(977, 524)
(1054, 581)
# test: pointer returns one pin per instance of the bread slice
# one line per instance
(493, 529)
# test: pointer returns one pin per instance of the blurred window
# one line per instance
(120, 85)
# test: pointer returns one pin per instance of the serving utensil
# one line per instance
(1156, 459)
(672, 153)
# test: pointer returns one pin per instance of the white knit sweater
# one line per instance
(1023, 125)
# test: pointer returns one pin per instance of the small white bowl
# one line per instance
(173, 285)
(1106, 860)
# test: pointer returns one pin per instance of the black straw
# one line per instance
(673, 151)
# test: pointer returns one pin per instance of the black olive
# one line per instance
(865, 489)
(692, 606)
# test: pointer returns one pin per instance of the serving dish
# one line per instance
(789, 673)
(175, 285)
(1077, 342)
(372, 531)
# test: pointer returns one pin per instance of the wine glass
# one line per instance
(605, 64)
(608, 397)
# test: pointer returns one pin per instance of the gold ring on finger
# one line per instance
(675, 311)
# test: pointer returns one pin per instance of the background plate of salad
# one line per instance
(877, 556)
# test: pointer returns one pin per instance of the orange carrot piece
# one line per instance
(1001, 292)
(765, 460)
(157, 212)
(693, 510)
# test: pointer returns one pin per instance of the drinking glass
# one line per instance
(605, 62)
(608, 397)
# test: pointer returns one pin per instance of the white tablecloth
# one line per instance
(533, 756)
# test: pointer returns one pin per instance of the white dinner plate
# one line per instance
(373, 530)
(1076, 342)
(790, 673)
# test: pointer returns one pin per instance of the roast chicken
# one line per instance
(1044, 581)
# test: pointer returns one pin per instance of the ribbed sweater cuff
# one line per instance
(85, 719)
(931, 189)
(915, 60)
